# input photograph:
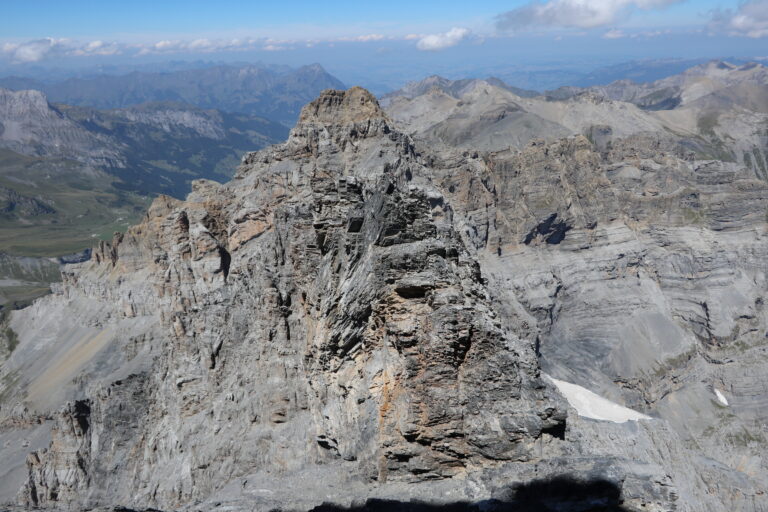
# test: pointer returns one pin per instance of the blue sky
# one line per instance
(143, 20)
(82, 18)
(391, 39)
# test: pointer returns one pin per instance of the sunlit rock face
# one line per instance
(360, 315)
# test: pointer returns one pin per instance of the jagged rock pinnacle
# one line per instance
(341, 107)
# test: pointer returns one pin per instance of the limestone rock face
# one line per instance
(359, 316)
(32, 127)
(58, 474)
(639, 272)
(320, 307)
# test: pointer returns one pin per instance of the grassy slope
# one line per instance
(91, 205)
(165, 161)
(87, 207)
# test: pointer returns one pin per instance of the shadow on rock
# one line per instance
(551, 495)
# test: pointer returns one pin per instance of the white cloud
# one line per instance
(367, 38)
(750, 19)
(97, 48)
(36, 50)
(434, 42)
(244, 44)
(575, 13)
(370, 37)
(50, 48)
(614, 34)
(202, 46)
(41, 49)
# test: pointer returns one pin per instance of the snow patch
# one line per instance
(591, 405)
(721, 397)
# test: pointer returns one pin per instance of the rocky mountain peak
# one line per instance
(335, 107)
(336, 119)
(720, 64)
(722, 69)
(31, 126)
(16, 103)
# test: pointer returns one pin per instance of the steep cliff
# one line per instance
(359, 315)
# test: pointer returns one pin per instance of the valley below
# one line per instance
(71, 175)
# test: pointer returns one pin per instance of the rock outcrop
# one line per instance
(361, 317)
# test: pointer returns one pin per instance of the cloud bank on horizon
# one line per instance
(41, 49)
(575, 13)
(434, 42)
(47, 48)
(748, 18)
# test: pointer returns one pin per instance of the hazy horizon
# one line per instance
(380, 47)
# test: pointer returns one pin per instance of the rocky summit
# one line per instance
(363, 320)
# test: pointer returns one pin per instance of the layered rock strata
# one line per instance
(364, 317)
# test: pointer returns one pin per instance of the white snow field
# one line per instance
(721, 397)
(591, 405)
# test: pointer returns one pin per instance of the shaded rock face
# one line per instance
(654, 291)
(360, 317)
(59, 473)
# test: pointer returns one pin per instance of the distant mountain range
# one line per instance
(672, 91)
(716, 110)
(455, 88)
(152, 148)
(69, 174)
(430, 309)
(116, 140)
(274, 93)
(82, 157)
(545, 77)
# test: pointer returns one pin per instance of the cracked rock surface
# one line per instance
(358, 315)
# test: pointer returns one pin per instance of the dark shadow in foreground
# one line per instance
(560, 494)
